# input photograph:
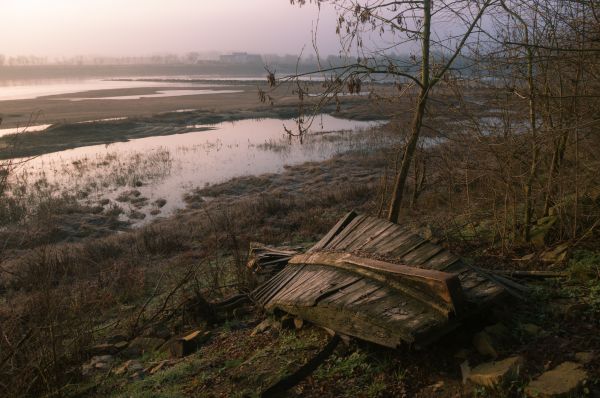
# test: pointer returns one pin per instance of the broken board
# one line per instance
(380, 282)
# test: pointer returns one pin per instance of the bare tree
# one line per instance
(373, 32)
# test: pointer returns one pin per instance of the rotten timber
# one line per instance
(265, 261)
(379, 282)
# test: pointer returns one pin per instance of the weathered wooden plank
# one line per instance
(442, 261)
(283, 284)
(339, 287)
(394, 309)
(420, 255)
(356, 235)
(470, 280)
(309, 278)
(337, 284)
(354, 293)
(457, 267)
(402, 239)
(367, 309)
(407, 246)
(352, 324)
(355, 223)
(371, 244)
(321, 281)
(367, 236)
(261, 291)
(485, 292)
(440, 290)
(337, 228)
(373, 319)
(395, 238)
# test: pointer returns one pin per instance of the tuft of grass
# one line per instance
(584, 266)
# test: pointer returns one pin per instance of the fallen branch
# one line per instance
(16, 348)
(533, 274)
(289, 381)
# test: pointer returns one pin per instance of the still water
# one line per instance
(30, 89)
(167, 167)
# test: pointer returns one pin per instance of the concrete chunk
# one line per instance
(188, 344)
(493, 374)
(563, 381)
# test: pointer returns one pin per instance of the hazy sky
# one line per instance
(142, 27)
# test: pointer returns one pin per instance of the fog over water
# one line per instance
(136, 27)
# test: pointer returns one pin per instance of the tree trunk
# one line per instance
(529, 203)
(417, 122)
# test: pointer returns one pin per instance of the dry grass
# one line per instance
(68, 295)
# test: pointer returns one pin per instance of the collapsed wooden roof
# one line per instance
(380, 282)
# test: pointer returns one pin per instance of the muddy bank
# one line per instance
(74, 134)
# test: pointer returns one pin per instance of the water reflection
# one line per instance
(157, 94)
(166, 167)
(17, 130)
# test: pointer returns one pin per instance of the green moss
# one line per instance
(585, 266)
(584, 270)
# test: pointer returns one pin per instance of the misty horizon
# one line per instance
(106, 28)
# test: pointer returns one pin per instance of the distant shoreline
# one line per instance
(26, 72)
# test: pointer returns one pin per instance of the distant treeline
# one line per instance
(236, 64)
(192, 58)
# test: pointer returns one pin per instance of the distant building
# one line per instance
(241, 58)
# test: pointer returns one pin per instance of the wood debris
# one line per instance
(380, 282)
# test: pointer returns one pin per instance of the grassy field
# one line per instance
(64, 292)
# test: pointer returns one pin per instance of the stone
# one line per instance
(584, 357)
(104, 349)
(484, 345)
(262, 327)
(298, 323)
(129, 367)
(188, 344)
(531, 329)
(140, 345)
(494, 374)
(99, 362)
(564, 380)
(102, 358)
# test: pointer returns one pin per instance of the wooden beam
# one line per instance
(440, 290)
(333, 232)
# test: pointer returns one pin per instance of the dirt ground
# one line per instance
(60, 109)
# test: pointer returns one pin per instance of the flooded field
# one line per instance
(31, 89)
(149, 177)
